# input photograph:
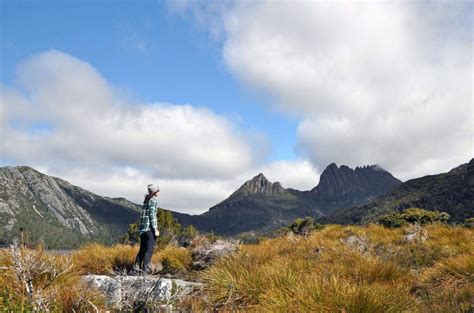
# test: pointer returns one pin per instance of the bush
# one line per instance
(34, 280)
(413, 216)
(171, 231)
(304, 226)
(132, 236)
(392, 220)
(469, 222)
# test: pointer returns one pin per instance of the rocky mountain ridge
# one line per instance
(259, 185)
(34, 201)
(262, 205)
(52, 210)
(451, 192)
(343, 187)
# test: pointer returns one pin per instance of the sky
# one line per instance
(200, 96)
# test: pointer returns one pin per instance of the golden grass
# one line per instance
(48, 290)
(321, 273)
(99, 259)
(173, 258)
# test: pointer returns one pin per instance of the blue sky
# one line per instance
(153, 54)
(199, 96)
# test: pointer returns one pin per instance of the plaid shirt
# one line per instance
(148, 216)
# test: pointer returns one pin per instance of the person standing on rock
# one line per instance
(148, 230)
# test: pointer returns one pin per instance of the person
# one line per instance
(148, 230)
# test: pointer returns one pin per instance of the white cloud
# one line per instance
(93, 127)
(379, 82)
(299, 174)
(64, 118)
(193, 196)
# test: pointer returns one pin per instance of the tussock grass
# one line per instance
(99, 259)
(173, 258)
(318, 273)
(321, 273)
(34, 280)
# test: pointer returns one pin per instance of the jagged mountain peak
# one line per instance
(363, 180)
(259, 184)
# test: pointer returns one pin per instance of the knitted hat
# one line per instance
(153, 188)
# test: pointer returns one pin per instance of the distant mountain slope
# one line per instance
(257, 205)
(57, 213)
(52, 210)
(261, 205)
(451, 192)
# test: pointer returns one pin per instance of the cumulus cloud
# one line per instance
(62, 117)
(378, 82)
(91, 126)
(298, 174)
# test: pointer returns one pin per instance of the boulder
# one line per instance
(360, 243)
(205, 255)
(415, 233)
(125, 292)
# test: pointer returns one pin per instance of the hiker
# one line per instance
(148, 230)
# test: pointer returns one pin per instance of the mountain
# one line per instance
(53, 211)
(59, 214)
(262, 205)
(343, 187)
(451, 192)
(257, 205)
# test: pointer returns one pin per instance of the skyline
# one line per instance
(238, 88)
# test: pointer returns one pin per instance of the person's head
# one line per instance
(153, 189)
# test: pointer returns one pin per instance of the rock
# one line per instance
(260, 185)
(360, 243)
(204, 255)
(415, 233)
(124, 291)
(365, 182)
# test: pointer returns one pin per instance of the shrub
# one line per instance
(34, 280)
(392, 220)
(132, 236)
(469, 222)
(304, 226)
(171, 231)
(413, 216)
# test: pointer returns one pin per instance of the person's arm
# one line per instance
(153, 222)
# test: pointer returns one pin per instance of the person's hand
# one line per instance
(157, 233)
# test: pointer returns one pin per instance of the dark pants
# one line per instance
(147, 243)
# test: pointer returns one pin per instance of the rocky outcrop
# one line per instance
(260, 185)
(451, 192)
(205, 255)
(415, 233)
(364, 181)
(134, 292)
(356, 242)
(49, 209)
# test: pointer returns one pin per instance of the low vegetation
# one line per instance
(325, 272)
(307, 268)
(413, 216)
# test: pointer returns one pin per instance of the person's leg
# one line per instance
(141, 253)
(150, 245)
